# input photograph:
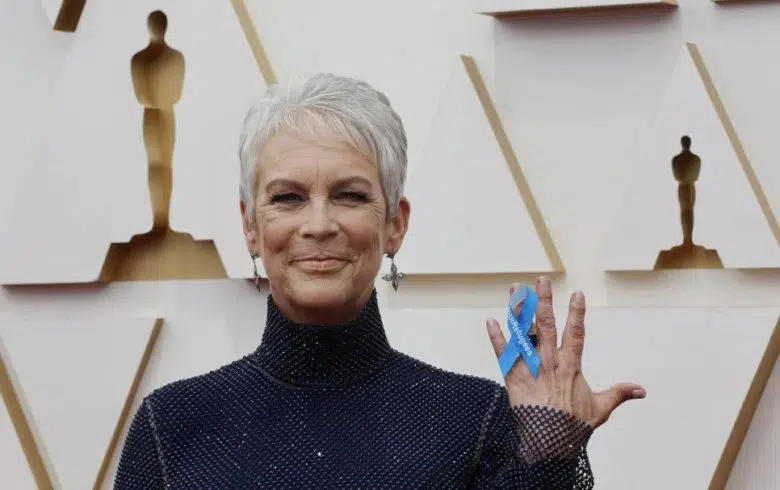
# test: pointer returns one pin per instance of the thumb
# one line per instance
(608, 400)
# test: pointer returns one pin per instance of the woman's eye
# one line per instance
(286, 198)
(354, 196)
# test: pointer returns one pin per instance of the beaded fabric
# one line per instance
(337, 407)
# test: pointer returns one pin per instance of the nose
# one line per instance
(319, 223)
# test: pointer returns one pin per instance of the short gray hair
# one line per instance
(351, 108)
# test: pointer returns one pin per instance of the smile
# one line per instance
(319, 265)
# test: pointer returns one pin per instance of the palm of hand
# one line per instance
(561, 383)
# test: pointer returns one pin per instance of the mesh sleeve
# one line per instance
(534, 448)
(139, 465)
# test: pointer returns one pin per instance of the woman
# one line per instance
(325, 401)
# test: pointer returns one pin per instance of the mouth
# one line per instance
(319, 264)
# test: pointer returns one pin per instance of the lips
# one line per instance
(319, 258)
(319, 264)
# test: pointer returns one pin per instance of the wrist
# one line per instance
(546, 433)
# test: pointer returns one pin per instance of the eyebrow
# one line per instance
(281, 182)
(284, 183)
(352, 180)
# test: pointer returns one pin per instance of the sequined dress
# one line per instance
(338, 407)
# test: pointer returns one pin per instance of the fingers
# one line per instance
(608, 400)
(573, 341)
(545, 323)
(519, 305)
(496, 336)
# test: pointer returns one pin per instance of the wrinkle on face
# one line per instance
(319, 199)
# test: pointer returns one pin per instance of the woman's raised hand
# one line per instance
(561, 383)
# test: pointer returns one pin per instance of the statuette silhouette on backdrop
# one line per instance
(158, 80)
(158, 73)
(686, 168)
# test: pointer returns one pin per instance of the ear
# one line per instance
(250, 230)
(397, 226)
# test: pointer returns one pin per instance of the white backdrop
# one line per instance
(575, 94)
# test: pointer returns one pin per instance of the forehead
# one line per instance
(292, 156)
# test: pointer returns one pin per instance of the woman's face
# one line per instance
(320, 227)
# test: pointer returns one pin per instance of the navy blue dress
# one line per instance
(338, 407)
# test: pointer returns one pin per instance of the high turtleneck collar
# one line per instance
(306, 355)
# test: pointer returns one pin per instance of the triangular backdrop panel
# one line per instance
(75, 376)
(468, 216)
(94, 170)
(680, 355)
(727, 210)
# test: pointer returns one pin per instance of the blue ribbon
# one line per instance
(519, 343)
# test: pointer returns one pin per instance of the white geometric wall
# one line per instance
(467, 155)
(102, 155)
(575, 95)
(78, 391)
(730, 203)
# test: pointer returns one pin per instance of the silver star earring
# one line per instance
(394, 277)
(257, 276)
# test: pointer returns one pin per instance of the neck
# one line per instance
(322, 315)
(311, 355)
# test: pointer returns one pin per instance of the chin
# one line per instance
(324, 293)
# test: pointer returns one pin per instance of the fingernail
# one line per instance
(517, 299)
(518, 296)
(517, 308)
(492, 325)
(578, 297)
(639, 393)
(543, 285)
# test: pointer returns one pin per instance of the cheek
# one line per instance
(366, 233)
(274, 231)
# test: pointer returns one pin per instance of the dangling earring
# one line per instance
(394, 277)
(255, 273)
